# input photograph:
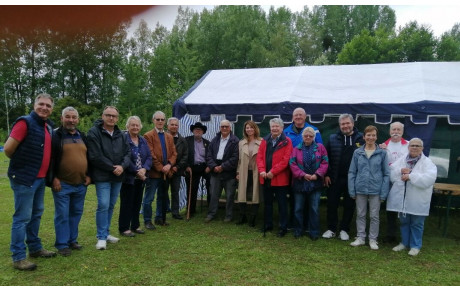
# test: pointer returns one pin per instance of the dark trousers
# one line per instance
(198, 173)
(336, 190)
(392, 223)
(130, 205)
(281, 196)
(174, 183)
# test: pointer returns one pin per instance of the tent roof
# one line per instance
(418, 90)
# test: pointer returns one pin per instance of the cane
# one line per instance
(189, 197)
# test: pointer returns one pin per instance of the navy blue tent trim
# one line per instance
(419, 112)
(179, 107)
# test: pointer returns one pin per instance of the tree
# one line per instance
(448, 48)
(418, 43)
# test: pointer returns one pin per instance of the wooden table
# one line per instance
(449, 190)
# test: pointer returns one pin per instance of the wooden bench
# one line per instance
(449, 190)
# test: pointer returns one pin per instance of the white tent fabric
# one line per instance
(419, 90)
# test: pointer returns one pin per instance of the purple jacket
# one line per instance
(297, 169)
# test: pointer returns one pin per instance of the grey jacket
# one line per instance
(369, 176)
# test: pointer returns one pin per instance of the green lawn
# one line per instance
(195, 253)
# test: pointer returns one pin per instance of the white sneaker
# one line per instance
(399, 247)
(373, 244)
(328, 234)
(344, 235)
(101, 245)
(112, 239)
(414, 252)
(358, 242)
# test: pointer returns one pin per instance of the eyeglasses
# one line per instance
(224, 126)
(111, 116)
(159, 119)
(415, 146)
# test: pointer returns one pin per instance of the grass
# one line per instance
(195, 253)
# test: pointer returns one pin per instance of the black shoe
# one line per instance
(390, 240)
(159, 221)
(139, 231)
(75, 246)
(297, 235)
(149, 225)
(65, 252)
(42, 254)
(265, 229)
(313, 238)
(177, 216)
(243, 220)
(128, 234)
(281, 233)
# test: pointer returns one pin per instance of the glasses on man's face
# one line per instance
(110, 115)
(159, 119)
(224, 126)
(415, 146)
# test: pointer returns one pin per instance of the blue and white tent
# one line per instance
(421, 93)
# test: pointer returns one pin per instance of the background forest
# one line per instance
(89, 69)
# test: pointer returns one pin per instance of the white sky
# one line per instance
(440, 15)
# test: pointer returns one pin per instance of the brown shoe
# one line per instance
(75, 246)
(65, 252)
(42, 254)
(24, 265)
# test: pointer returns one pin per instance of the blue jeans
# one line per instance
(281, 196)
(151, 186)
(107, 195)
(412, 230)
(28, 210)
(313, 212)
(68, 209)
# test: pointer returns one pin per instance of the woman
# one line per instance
(274, 174)
(368, 182)
(413, 177)
(309, 163)
(247, 173)
(133, 182)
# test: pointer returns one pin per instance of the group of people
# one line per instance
(290, 165)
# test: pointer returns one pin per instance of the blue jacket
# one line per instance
(370, 176)
(146, 158)
(27, 159)
(296, 137)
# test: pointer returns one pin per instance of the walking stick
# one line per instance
(189, 197)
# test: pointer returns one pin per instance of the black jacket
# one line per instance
(337, 158)
(182, 154)
(230, 158)
(105, 151)
(191, 149)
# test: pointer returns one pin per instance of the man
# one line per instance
(164, 155)
(29, 148)
(273, 165)
(294, 132)
(109, 155)
(396, 147)
(178, 170)
(340, 149)
(70, 178)
(299, 123)
(197, 150)
(222, 159)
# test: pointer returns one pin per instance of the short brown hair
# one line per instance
(370, 128)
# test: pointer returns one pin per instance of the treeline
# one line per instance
(149, 71)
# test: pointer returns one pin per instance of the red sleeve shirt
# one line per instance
(19, 133)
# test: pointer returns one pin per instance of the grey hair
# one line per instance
(310, 130)
(134, 117)
(346, 115)
(416, 139)
(225, 121)
(397, 123)
(67, 109)
(45, 96)
(158, 112)
(299, 109)
(171, 119)
(277, 120)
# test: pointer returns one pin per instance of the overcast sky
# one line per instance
(441, 17)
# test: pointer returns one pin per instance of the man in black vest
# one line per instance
(29, 148)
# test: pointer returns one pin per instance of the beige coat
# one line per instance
(242, 170)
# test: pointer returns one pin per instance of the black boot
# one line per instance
(243, 218)
(252, 219)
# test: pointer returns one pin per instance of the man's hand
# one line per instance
(56, 185)
(327, 181)
(118, 170)
(87, 180)
(166, 168)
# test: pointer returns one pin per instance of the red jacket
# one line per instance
(280, 162)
